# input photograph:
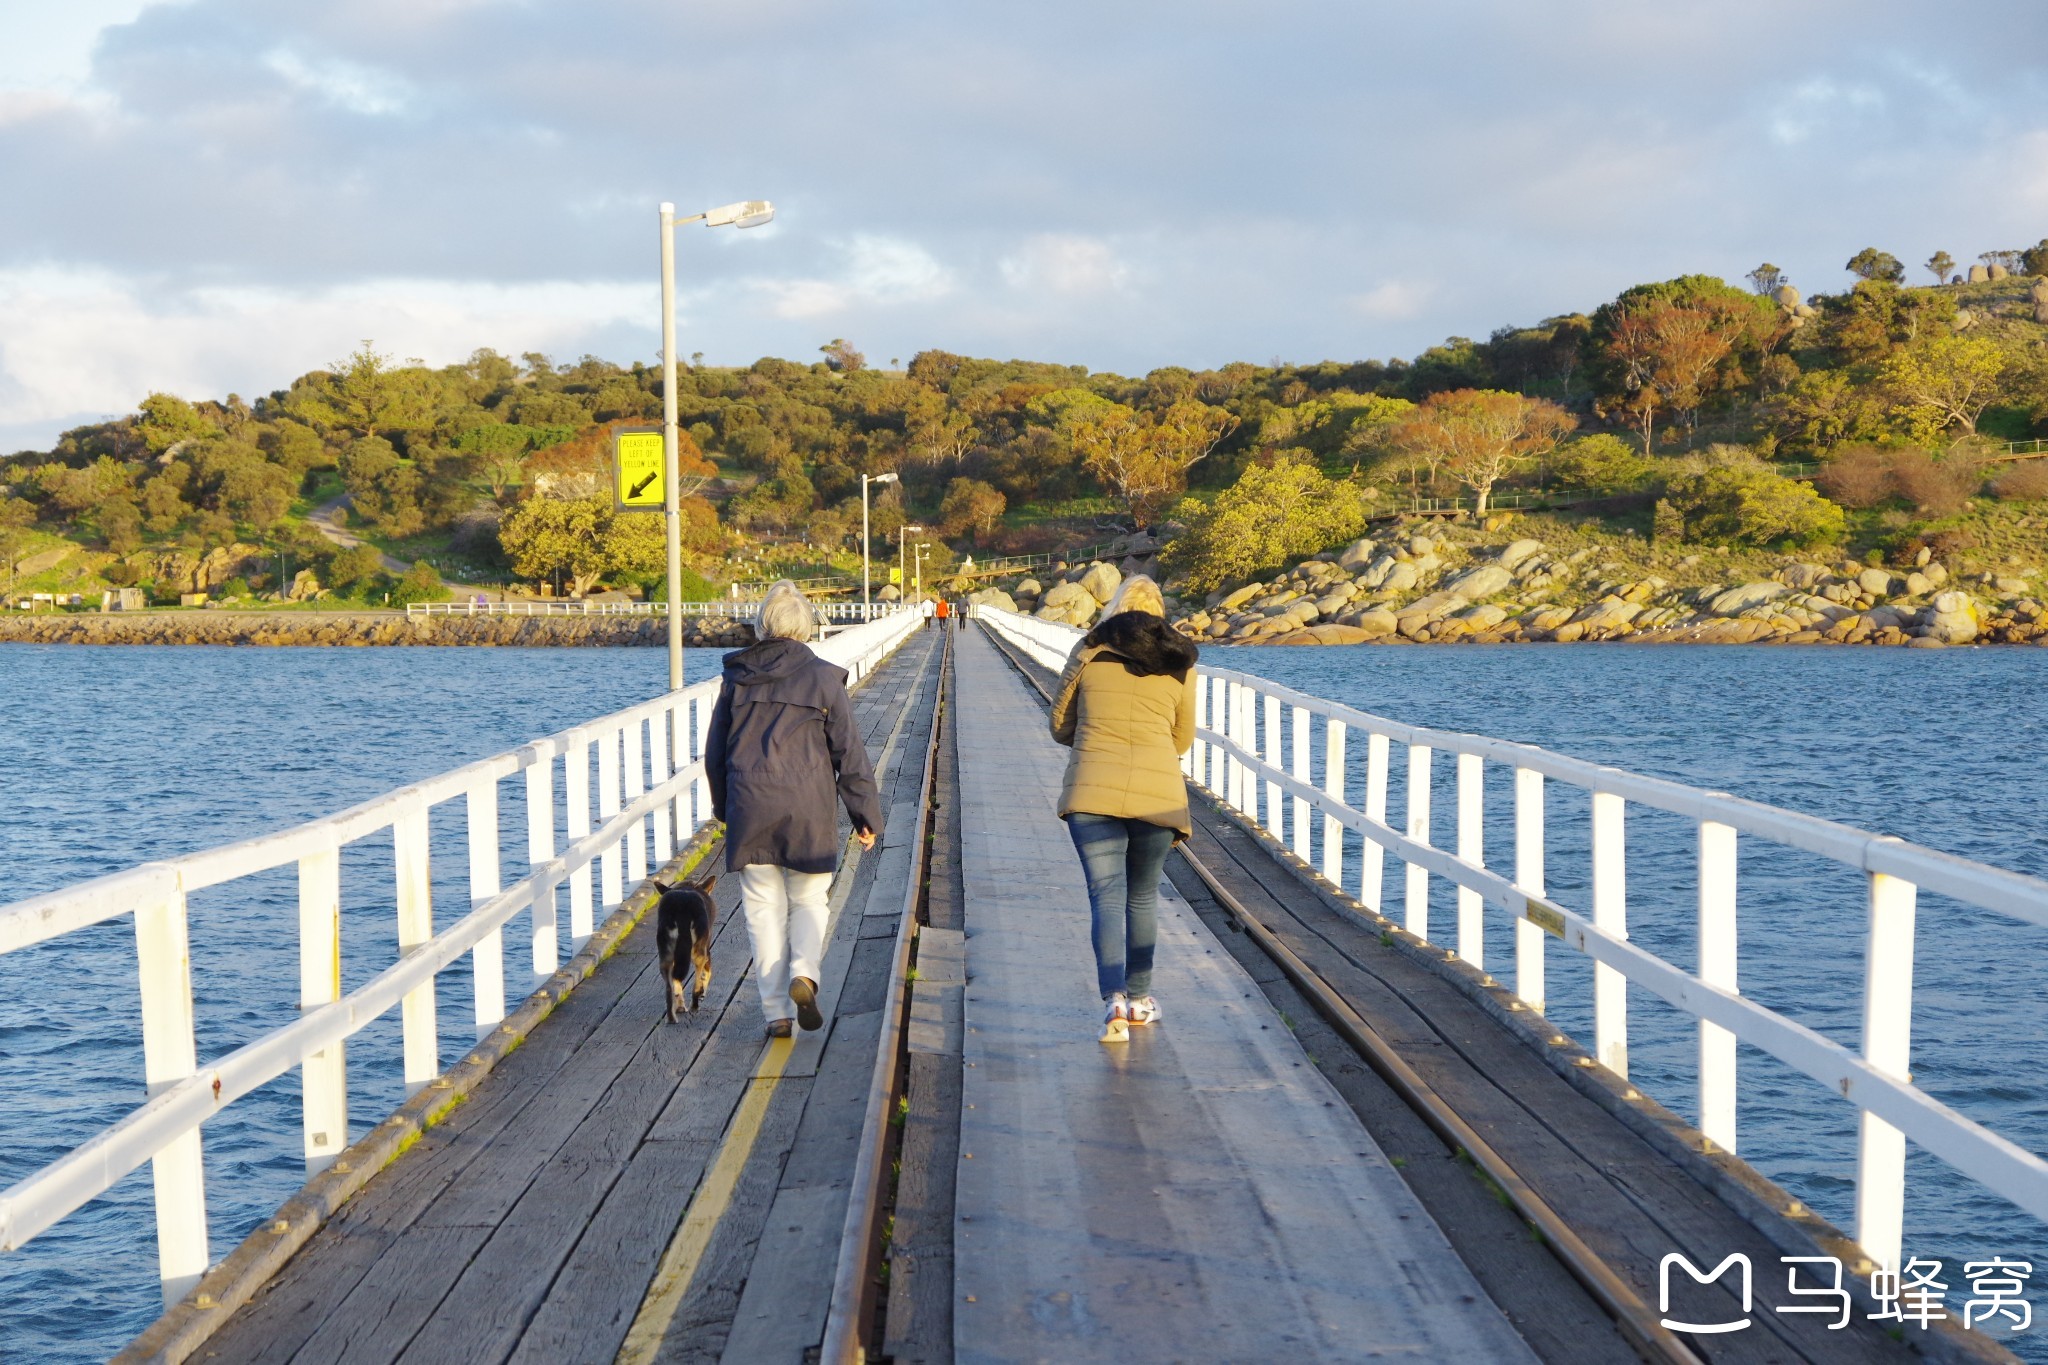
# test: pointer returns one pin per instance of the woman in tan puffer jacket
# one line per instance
(1126, 706)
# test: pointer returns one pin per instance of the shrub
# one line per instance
(356, 567)
(1857, 476)
(1600, 461)
(2026, 481)
(1936, 487)
(234, 587)
(1273, 513)
(1729, 497)
(419, 584)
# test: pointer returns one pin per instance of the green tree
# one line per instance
(2034, 260)
(842, 358)
(1274, 513)
(419, 584)
(354, 568)
(1599, 461)
(1872, 264)
(1941, 265)
(168, 420)
(1479, 436)
(1943, 382)
(1143, 459)
(1765, 278)
(383, 490)
(16, 518)
(1729, 497)
(579, 542)
(971, 505)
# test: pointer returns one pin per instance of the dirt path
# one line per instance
(322, 520)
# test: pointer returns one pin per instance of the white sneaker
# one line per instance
(1116, 1019)
(1144, 1010)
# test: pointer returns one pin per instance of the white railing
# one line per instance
(739, 609)
(650, 795)
(1254, 750)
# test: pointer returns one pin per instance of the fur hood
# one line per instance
(1145, 643)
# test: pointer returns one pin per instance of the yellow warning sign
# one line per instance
(637, 466)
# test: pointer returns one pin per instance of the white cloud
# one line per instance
(1819, 104)
(1393, 301)
(349, 85)
(1064, 263)
(88, 344)
(875, 271)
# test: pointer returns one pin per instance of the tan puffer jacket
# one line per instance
(1127, 733)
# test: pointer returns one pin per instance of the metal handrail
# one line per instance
(650, 794)
(733, 609)
(1238, 755)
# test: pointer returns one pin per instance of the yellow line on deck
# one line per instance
(707, 1206)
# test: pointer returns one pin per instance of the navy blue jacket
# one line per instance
(781, 746)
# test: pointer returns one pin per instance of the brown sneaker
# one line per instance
(778, 1028)
(803, 993)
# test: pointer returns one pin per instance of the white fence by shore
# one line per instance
(1259, 745)
(739, 609)
(649, 796)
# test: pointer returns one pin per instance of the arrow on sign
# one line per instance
(641, 487)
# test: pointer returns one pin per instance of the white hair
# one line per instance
(786, 614)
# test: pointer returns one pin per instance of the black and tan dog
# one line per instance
(682, 933)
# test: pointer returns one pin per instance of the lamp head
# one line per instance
(745, 214)
(889, 477)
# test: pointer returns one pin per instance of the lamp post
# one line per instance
(867, 610)
(748, 213)
(903, 534)
(917, 560)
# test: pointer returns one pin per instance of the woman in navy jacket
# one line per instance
(781, 753)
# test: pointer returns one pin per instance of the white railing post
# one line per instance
(1472, 850)
(1372, 855)
(163, 956)
(540, 846)
(1417, 905)
(1270, 751)
(660, 757)
(1230, 727)
(1529, 877)
(1717, 968)
(1887, 1046)
(1299, 772)
(611, 862)
(410, 858)
(323, 1074)
(487, 959)
(1191, 761)
(700, 727)
(1610, 912)
(635, 763)
(576, 795)
(1333, 787)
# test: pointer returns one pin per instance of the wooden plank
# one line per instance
(1631, 1204)
(942, 956)
(867, 976)
(829, 1135)
(697, 1333)
(935, 1016)
(920, 1314)
(781, 1313)
(592, 1301)
(376, 1320)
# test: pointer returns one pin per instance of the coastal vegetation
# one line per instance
(1690, 414)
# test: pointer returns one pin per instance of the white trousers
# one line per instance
(786, 922)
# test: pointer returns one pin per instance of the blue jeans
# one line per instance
(1122, 860)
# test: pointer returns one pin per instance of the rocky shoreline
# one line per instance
(357, 628)
(1417, 587)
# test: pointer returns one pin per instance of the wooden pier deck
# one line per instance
(1233, 1185)
(620, 1187)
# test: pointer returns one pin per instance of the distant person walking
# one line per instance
(929, 610)
(1126, 706)
(944, 610)
(781, 746)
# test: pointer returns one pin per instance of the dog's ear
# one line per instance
(660, 888)
(706, 885)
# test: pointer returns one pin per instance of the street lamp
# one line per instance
(867, 610)
(917, 562)
(745, 214)
(903, 534)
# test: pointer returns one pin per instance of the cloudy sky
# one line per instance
(215, 195)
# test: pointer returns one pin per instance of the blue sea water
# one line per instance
(114, 756)
(110, 757)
